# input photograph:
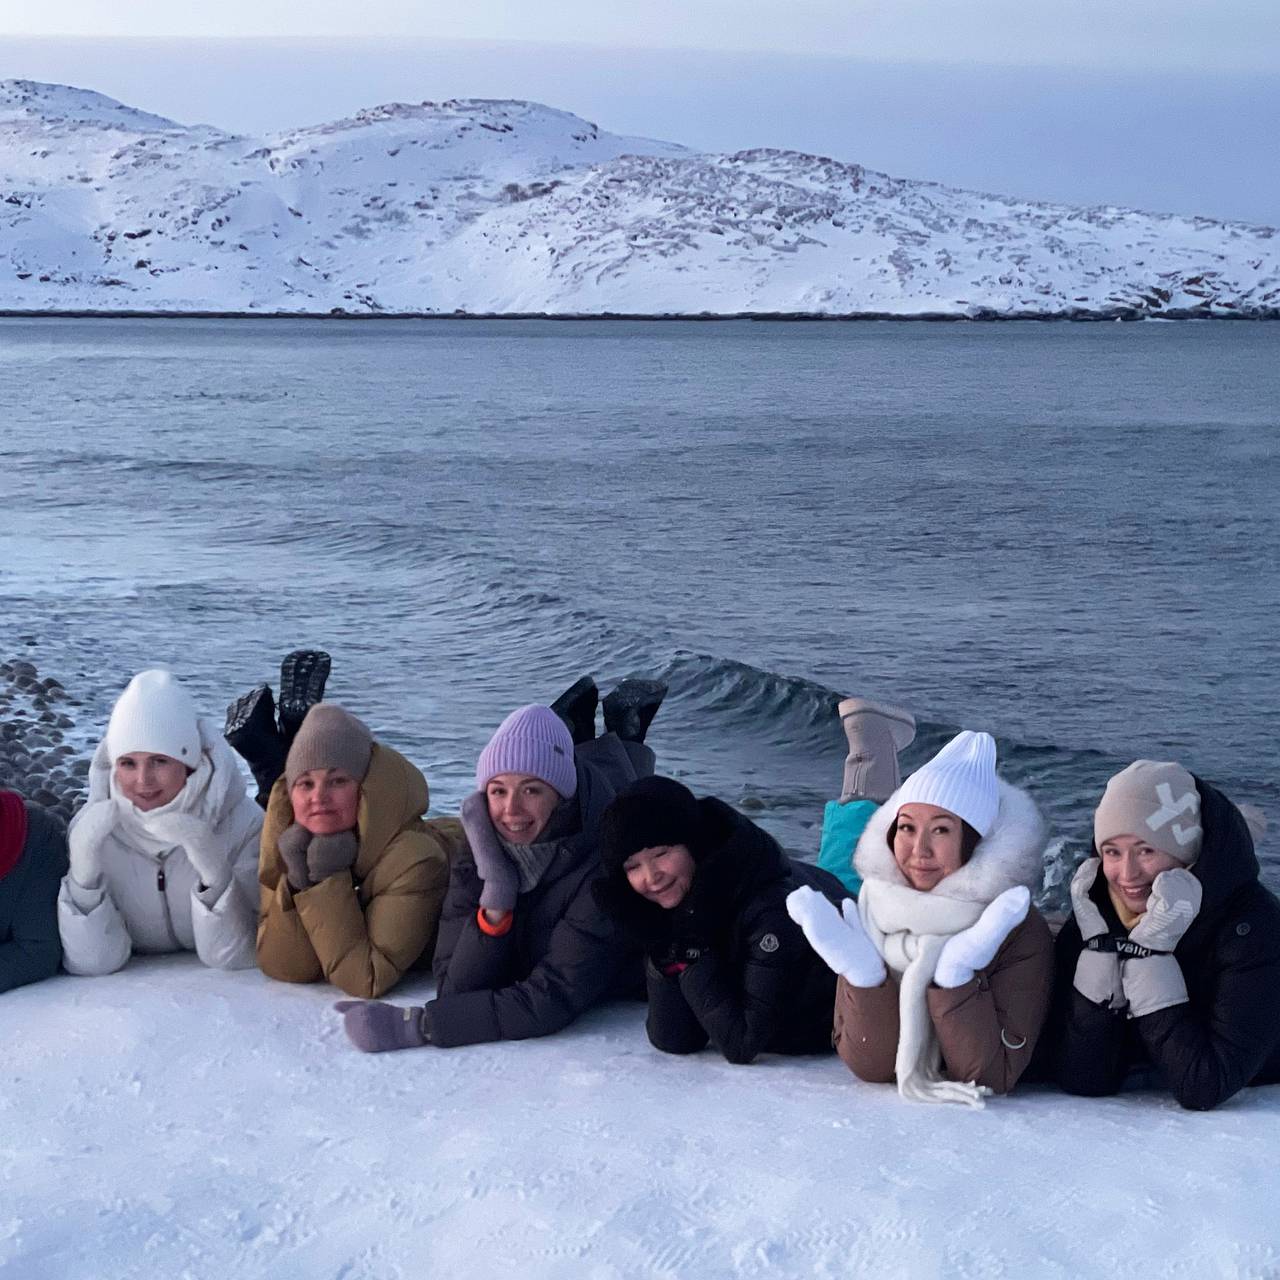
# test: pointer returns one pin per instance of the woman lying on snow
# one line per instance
(523, 948)
(163, 853)
(1169, 972)
(351, 876)
(703, 890)
(33, 860)
(945, 968)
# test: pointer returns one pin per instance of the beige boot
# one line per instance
(876, 731)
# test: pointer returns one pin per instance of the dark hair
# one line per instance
(969, 839)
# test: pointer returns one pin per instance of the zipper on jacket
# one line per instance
(161, 884)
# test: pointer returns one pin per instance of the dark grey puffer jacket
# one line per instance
(30, 948)
(562, 954)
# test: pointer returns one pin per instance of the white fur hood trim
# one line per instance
(1012, 853)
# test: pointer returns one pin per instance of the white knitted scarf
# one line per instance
(909, 928)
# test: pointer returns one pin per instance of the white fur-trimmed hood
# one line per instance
(1012, 853)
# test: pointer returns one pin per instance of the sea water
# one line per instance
(1064, 534)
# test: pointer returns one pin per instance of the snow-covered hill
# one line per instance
(482, 206)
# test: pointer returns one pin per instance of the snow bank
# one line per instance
(171, 1121)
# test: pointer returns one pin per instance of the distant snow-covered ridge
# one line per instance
(503, 207)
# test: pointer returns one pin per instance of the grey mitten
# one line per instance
(501, 880)
(837, 936)
(292, 843)
(1156, 981)
(331, 855)
(964, 953)
(1173, 904)
(195, 838)
(1097, 975)
(376, 1027)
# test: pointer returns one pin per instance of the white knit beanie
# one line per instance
(155, 715)
(961, 778)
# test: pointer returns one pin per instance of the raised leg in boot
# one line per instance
(251, 731)
(576, 706)
(302, 678)
(876, 731)
(630, 708)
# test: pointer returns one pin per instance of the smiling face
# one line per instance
(662, 874)
(1130, 865)
(149, 781)
(520, 806)
(325, 801)
(928, 844)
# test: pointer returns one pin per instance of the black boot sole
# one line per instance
(302, 679)
(576, 706)
(630, 708)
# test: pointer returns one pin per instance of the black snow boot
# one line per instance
(576, 706)
(630, 708)
(251, 731)
(302, 677)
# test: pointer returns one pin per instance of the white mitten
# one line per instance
(196, 839)
(974, 948)
(84, 842)
(839, 939)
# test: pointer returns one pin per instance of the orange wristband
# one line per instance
(495, 930)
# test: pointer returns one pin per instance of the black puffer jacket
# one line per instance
(562, 954)
(1228, 1033)
(757, 985)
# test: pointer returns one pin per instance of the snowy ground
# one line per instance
(170, 1121)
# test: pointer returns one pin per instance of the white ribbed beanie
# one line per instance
(961, 778)
(156, 715)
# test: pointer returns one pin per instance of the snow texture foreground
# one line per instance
(174, 1121)
(503, 207)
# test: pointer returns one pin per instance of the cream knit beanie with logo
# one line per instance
(961, 778)
(1157, 801)
(156, 716)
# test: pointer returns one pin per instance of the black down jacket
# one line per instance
(756, 986)
(562, 954)
(1227, 1035)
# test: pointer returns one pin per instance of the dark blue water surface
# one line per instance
(1064, 534)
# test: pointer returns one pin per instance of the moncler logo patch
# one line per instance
(1170, 809)
(769, 943)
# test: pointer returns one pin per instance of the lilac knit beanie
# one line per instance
(532, 740)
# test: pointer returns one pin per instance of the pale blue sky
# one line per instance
(1172, 105)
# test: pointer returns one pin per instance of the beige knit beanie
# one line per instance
(329, 738)
(1156, 800)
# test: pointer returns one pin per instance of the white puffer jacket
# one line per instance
(150, 898)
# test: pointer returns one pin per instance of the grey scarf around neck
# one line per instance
(532, 860)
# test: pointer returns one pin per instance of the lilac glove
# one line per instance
(376, 1027)
(331, 855)
(501, 880)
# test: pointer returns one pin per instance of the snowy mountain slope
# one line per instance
(510, 207)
